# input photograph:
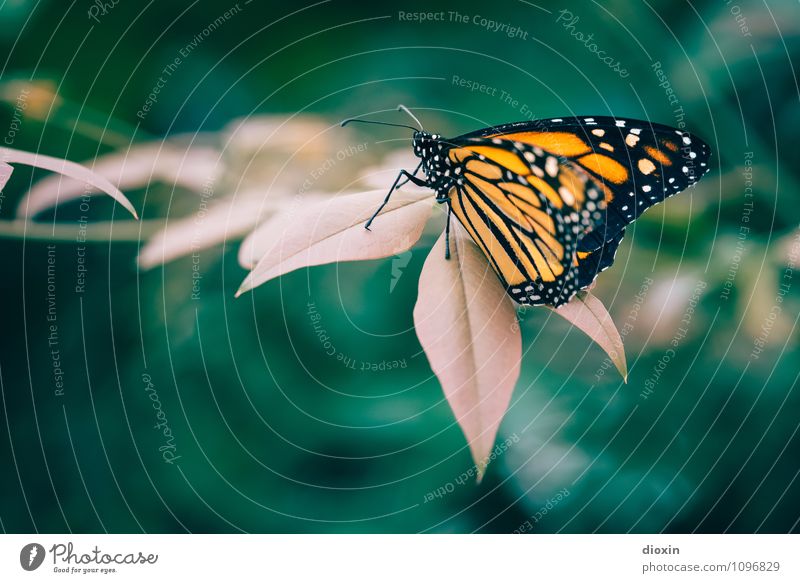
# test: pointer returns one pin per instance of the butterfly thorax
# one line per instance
(435, 163)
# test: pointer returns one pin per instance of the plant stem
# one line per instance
(94, 232)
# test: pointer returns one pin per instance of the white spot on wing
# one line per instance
(567, 195)
(631, 140)
(551, 166)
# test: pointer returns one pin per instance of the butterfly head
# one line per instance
(425, 144)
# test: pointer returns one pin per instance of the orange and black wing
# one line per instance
(636, 163)
(589, 264)
(527, 212)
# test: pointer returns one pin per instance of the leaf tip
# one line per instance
(245, 286)
(622, 365)
(481, 471)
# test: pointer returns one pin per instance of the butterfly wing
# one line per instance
(548, 201)
(526, 211)
(636, 164)
(589, 264)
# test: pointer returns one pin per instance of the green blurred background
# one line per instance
(273, 434)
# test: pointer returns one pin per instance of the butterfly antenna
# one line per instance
(381, 123)
(402, 107)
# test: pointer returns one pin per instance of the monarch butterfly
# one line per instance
(548, 201)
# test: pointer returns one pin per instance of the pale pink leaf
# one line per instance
(262, 238)
(587, 313)
(467, 325)
(67, 168)
(226, 220)
(229, 219)
(172, 163)
(5, 173)
(333, 230)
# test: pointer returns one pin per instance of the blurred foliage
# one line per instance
(274, 434)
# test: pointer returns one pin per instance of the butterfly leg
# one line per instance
(404, 182)
(447, 234)
(397, 184)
